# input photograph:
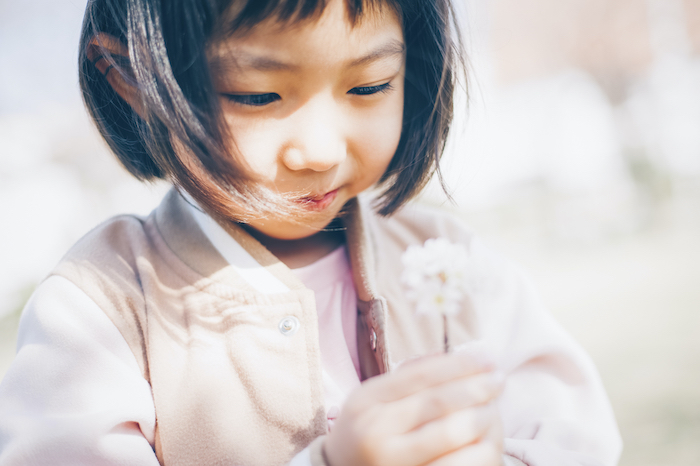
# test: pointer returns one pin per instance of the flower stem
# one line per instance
(447, 333)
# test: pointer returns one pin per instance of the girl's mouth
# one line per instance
(319, 202)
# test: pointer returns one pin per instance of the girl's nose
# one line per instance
(317, 142)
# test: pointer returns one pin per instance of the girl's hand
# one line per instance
(439, 411)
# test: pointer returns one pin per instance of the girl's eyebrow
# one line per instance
(238, 60)
(242, 59)
(391, 48)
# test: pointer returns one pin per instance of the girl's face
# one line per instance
(314, 108)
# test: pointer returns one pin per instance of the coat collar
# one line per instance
(187, 229)
(182, 230)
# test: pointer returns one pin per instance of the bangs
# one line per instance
(242, 15)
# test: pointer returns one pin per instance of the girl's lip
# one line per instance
(319, 202)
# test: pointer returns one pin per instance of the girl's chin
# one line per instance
(317, 215)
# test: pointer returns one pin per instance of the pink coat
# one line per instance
(226, 386)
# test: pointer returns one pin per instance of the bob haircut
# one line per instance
(167, 64)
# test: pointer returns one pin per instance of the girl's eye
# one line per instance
(369, 90)
(254, 100)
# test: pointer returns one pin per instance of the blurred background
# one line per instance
(579, 157)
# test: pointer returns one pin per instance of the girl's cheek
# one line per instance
(255, 142)
(380, 135)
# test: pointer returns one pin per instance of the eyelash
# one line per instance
(369, 90)
(253, 100)
(260, 100)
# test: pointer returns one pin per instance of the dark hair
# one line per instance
(167, 62)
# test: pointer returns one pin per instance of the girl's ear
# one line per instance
(111, 57)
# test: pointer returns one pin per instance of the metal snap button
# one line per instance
(289, 326)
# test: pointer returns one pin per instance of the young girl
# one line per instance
(256, 317)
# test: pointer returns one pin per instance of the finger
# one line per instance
(442, 400)
(494, 435)
(424, 373)
(450, 433)
(479, 454)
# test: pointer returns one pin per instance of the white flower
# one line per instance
(435, 276)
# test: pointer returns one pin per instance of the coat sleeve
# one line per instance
(74, 393)
(554, 408)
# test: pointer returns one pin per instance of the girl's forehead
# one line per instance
(377, 34)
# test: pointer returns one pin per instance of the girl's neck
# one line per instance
(301, 252)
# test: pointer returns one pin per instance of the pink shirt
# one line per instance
(330, 278)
